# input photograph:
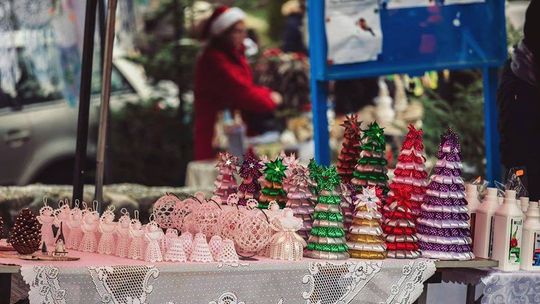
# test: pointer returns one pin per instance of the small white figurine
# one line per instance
(136, 233)
(107, 227)
(122, 234)
(153, 236)
(46, 219)
(74, 223)
(89, 227)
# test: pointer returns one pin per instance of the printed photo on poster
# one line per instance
(353, 31)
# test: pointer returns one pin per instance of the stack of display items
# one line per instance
(371, 168)
(299, 197)
(225, 182)
(327, 237)
(250, 172)
(272, 184)
(350, 150)
(25, 236)
(443, 225)
(364, 239)
(410, 175)
(399, 226)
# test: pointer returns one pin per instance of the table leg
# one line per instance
(471, 293)
(423, 297)
(5, 288)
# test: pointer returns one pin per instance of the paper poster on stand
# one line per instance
(353, 31)
(394, 4)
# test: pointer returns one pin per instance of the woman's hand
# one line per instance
(276, 98)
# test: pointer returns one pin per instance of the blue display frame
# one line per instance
(466, 36)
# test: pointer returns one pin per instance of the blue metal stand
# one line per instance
(491, 134)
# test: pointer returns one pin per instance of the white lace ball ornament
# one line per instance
(253, 233)
(163, 210)
(205, 219)
(229, 222)
(181, 211)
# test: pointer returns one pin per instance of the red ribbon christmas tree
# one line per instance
(250, 172)
(350, 150)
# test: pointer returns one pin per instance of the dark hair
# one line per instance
(531, 29)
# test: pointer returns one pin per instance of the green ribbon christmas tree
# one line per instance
(274, 172)
(327, 237)
(371, 167)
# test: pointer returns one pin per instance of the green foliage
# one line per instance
(465, 116)
(275, 19)
(150, 146)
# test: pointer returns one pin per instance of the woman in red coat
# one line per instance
(223, 79)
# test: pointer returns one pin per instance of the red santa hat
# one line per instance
(223, 18)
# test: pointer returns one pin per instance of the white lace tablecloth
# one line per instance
(511, 287)
(103, 279)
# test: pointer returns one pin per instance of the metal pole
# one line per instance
(84, 99)
(105, 96)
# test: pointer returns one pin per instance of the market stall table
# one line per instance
(108, 279)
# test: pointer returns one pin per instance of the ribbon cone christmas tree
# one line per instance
(364, 239)
(371, 168)
(350, 150)
(272, 184)
(443, 225)
(225, 183)
(410, 174)
(315, 171)
(299, 197)
(327, 237)
(250, 172)
(399, 227)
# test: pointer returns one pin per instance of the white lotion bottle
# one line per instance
(483, 234)
(507, 232)
(524, 203)
(471, 195)
(530, 257)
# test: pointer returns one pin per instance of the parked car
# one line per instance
(38, 131)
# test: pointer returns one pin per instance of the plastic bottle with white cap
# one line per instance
(471, 195)
(507, 232)
(530, 257)
(524, 204)
(483, 234)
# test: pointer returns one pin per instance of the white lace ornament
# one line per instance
(227, 253)
(230, 221)
(136, 232)
(46, 219)
(181, 210)
(201, 251)
(176, 252)
(253, 233)
(215, 246)
(163, 210)
(205, 219)
(165, 243)
(61, 218)
(286, 244)
(122, 234)
(187, 240)
(153, 236)
(107, 227)
(90, 224)
(74, 223)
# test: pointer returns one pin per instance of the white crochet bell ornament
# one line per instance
(228, 253)
(122, 234)
(215, 246)
(286, 244)
(136, 233)
(201, 251)
(170, 234)
(153, 236)
(89, 227)
(187, 239)
(107, 227)
(176, 252)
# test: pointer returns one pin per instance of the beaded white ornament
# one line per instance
(107, 227)
(215, 246)
(122, 234)
(201, 251)
(136, 232)
(153, 236)
(89, 227)
(74, 223)
(46, 219)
